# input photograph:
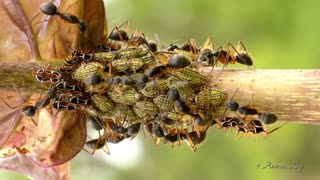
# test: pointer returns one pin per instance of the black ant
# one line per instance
(172, 46)
(267, 118)
(232, 105)
(264, 117)
(97, 144)
(206, 50)
(198, 120)
(118, 34)
(98, 124)
(233, 55)
(114, 138)
(119, 129)
(203, 120)
(247, 110)
(193, 139)
(174, 135)
(138, 39)
(171, 137)
(229, 56)
(244, 124)
(256, 127)
(50, 9)
(241, 55)
(107, 137)
(30, 110)
(155, 130)
(134, 129)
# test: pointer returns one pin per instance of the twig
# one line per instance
(293, 95)
(20, 74)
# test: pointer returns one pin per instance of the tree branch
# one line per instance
(20, 75)
(293, 95)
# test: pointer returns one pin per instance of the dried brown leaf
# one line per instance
(56, 139)
(26, 33)
(43, 151)
(21, 164)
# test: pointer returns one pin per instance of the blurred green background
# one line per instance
(278, 34)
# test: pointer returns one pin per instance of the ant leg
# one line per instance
(108, 36)
(121, 38)
(232, 51)
(22, 98)
(191, 145)
(137, 41)
(8, 104)
(237, 50)
(94, 148)
(194, 47)
(189, 46)
(236, 91)
(105, 145)
(129, 42)
(126, 24)
(179, 135)
(208, 44)
(273, 130)
(34, 122)
(97, 143)
(241, 45)
(172, 46)
(215, 62)
(225, 63)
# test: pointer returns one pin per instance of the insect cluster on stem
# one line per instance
(128, 84)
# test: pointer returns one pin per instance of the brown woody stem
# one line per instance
(21, 76)
(293, 95)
